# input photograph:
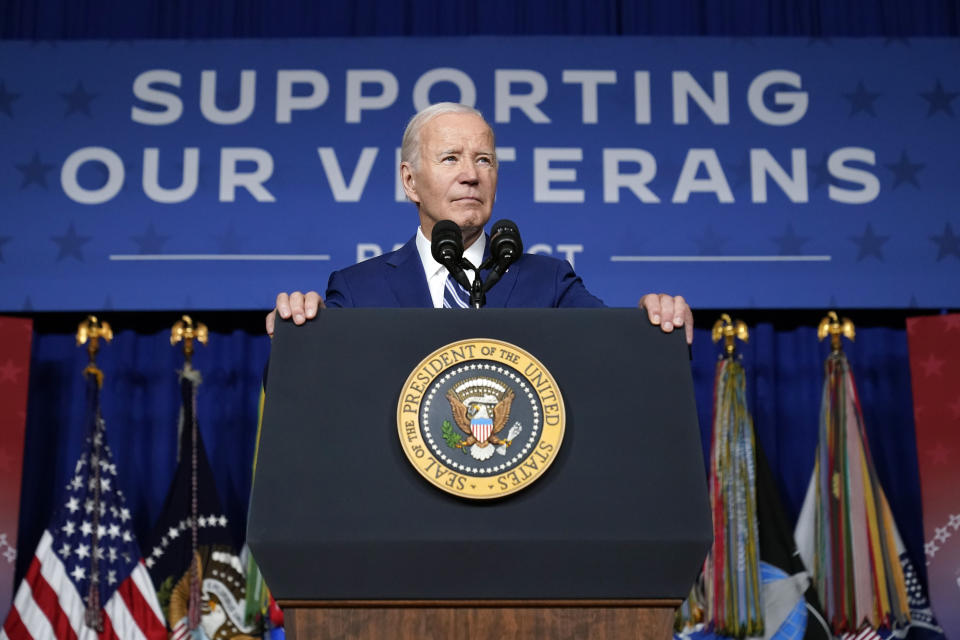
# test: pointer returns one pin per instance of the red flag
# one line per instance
(15, 336)
(934, 343)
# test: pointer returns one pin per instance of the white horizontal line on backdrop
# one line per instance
(721, 258)
(219, 256)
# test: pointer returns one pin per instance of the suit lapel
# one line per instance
(406, 278)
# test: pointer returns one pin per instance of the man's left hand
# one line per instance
(669, 312)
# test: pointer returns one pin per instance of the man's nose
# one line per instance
(469, 173)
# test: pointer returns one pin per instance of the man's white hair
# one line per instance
(410, 147)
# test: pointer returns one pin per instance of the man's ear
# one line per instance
(409, 182)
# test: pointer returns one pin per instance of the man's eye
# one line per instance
(449, 159)
(484, 160)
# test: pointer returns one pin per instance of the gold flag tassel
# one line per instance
(185, 331)
(90, 332)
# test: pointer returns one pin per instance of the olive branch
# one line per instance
(451, 437)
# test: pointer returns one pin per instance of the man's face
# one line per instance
(456, 177)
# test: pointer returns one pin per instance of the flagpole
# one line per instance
(185, 331)
(89, 332)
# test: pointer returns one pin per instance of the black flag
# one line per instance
(191, 556)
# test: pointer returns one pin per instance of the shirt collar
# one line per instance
(473, 253)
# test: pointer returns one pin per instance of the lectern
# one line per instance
(354, 541)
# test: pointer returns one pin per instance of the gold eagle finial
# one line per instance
(186, 331)
(729, 330)
(835, 327)
(89, 332)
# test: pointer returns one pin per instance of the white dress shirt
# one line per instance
(437, 273)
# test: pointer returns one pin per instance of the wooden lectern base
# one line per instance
(485, 620)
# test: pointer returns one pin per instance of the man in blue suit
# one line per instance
(449, 171)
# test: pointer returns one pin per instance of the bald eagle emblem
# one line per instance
(481, 408)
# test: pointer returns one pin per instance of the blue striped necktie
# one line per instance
(454, 295)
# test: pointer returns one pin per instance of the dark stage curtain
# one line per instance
(140, 405)
(70, 19)
(783, 361)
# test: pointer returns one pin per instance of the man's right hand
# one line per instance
(301, 307)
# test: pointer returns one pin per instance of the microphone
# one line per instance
(505, 243)
(506, 247)
(446, 246)
(446, 243)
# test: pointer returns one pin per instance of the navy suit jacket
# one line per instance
(396, 279)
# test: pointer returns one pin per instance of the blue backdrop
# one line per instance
(784, 361)
(744, 173)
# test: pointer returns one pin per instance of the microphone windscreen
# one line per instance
(446, 242)
(505, 243)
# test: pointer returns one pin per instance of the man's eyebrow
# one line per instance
(459, 150)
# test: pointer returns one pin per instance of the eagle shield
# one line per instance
(480, 408)
(481, 428)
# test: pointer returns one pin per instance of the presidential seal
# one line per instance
(480, 418)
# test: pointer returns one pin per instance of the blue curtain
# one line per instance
(140, 404)
(783, 360)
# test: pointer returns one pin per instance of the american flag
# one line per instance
(87, 556)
